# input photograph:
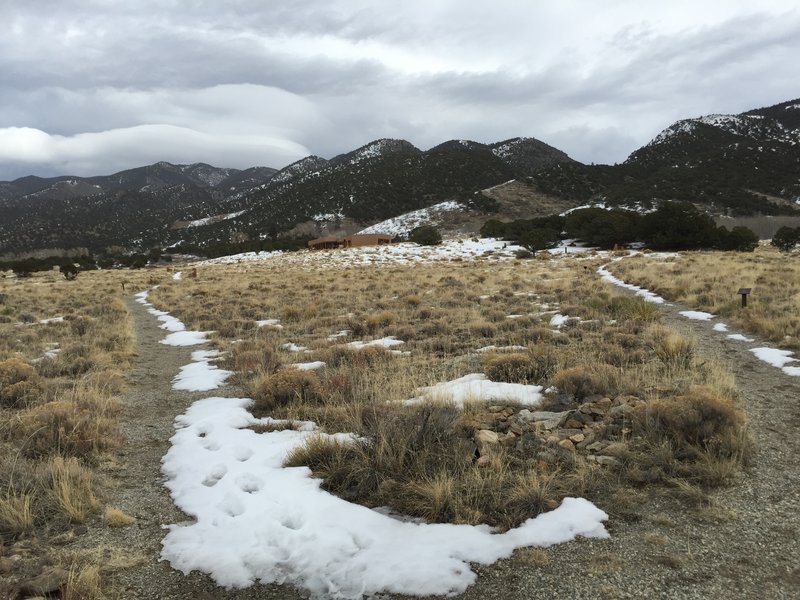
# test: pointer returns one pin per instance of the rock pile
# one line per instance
(588, 429)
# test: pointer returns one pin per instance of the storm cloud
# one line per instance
(91, 87)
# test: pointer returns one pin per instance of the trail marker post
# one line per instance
(744, 292)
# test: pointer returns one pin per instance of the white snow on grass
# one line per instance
(256, 520)
(778, 358)
(558, 320)
(200, 375)
(292, 347)
(177, 276)
(185, 338)
(501, 349)
(52, 320)
(168, 322)
(720, 327)
(740, 338)
(385, 342)
(646, 294)
(307, 366)
(276, 323)
(696, 315)
(405, 253)
(475, 387)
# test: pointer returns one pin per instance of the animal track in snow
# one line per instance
(249, 483)
(217, 473)
(242, 453)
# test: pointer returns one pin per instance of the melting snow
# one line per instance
(476, 387)
(740, 338)
(270, 323)
(386, 342)
(696, 315)
(778, 358)
(256, 520)
(200, 375)
(720, 327)
(646, 294)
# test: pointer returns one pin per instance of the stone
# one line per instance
(573, 423)
(549, 420)
(567, 445)
(608, 461)
(551, 504)
(495, 408)
(508, 411)
(577, 438)
(7, 565)
(516, 429)
(48, 581)
(483, 461)
(596, 446)
(622, 409)
(524, 416)
(486, 436)
(509, 440)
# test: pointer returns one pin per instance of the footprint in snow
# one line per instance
(217, 473)
(249, 483)
(242, 453)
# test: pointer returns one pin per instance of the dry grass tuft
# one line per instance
(16, 514)
(285, 387)
(84, 583)
(18, 382)
(114, 517)
(72, 487)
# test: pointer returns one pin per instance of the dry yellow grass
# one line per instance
(710, 280)
(114, 517)
(419, 460)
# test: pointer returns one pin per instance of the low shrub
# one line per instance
(285, 387)
(672, 349)
(78, 423)
(698, 420)
(583, 381)
(535, 366)
(18, 383)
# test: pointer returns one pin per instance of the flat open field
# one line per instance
(442, 387)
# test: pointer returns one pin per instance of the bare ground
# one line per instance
(743, 546)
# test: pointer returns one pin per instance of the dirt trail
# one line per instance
(150, 407)
(665, 552)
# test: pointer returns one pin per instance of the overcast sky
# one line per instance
(96, 86)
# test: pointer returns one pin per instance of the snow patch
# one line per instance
(696, 315)
(200, 375)
(476, 387)
(403, 224)
(386, 342)
(646, 294)
(778, 358)
(258, 521)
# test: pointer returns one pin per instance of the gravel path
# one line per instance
(746, 548)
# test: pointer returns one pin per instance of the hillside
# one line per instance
(732, 164)
(165, 204)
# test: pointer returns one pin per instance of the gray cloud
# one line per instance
(90, 87)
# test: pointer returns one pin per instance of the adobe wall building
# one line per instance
(351, 241)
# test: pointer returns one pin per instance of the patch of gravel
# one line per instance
(746, 549)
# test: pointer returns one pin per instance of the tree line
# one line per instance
(672, 226)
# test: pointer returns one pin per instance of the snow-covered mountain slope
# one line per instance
(403, 224)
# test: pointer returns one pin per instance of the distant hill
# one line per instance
(732, 164)
(163, 204)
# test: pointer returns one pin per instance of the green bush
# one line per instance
(425, 235)
(786, 238)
